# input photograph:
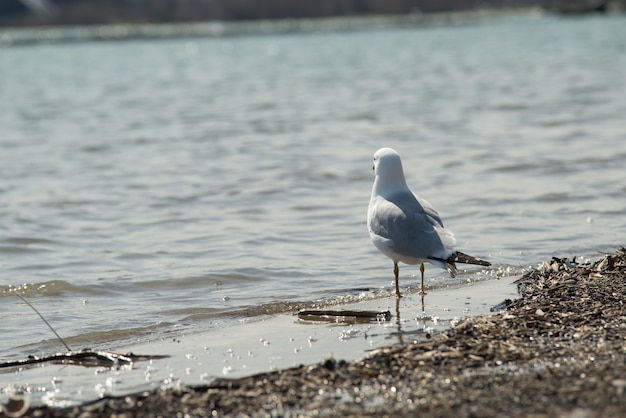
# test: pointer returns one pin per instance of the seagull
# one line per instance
(405, 227)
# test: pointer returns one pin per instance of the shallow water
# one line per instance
(258, 344)
(155, 188)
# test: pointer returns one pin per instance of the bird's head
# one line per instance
(387, 164)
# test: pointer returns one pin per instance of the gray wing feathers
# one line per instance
(417, 229)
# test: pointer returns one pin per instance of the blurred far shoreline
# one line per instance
(17, 36)
(50, 22)
(28, 13)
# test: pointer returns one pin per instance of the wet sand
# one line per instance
(557, 350)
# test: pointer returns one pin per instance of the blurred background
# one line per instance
(79, 12)
(172, 166)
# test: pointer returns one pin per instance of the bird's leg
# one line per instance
(422, 292)
(396, 272)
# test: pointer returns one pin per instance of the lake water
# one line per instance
(157, 187)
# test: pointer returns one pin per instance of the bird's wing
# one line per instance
(412, 225)
(447, 236)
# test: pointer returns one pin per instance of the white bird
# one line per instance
(405, 227)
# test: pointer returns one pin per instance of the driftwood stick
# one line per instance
(362, 315)
(85, 358)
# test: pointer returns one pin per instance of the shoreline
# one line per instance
(252, 346)
(558, 350)
(19, 36)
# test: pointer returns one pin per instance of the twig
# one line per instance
(44, 320)
(85, 358)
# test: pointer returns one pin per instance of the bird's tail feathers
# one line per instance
(451, 267)
(458, 257)
(444, 264)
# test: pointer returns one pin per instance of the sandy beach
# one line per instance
(559, 349)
